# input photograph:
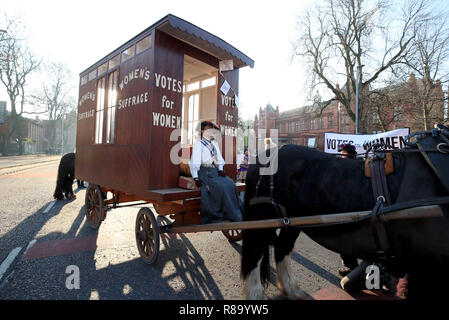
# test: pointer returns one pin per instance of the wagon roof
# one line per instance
(194, 36)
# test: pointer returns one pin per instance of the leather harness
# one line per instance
(382, 198)
(380, 192)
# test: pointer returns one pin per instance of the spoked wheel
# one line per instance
(94, 206)
(233, 235)
(147, 235)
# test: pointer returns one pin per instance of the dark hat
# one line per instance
(349, 148)
(208, 123)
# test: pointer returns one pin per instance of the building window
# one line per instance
(321, 123)
(311, 143)
(397, 113)
(330, 122)
(112, 103)
(291, 130)
(344, 123)
(303, 125)
(297, 126)
(100, 111)
(143, 44)
(313, 124)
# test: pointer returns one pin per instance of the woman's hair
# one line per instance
(349, 148)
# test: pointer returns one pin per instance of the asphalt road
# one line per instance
(45, 242)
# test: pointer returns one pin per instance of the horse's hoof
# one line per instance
(297, 294)
(256, 296)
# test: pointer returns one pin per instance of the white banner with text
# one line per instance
(362, 142)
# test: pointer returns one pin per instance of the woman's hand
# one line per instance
(198, 182)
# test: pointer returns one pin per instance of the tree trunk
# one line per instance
(424, 114)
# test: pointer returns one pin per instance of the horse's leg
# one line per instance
(255, 262)
(285, 281)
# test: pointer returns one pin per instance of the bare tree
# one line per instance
(429, 61)
(16, 64)
(55, 96)
(342, 39)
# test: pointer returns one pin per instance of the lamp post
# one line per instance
(357, 99)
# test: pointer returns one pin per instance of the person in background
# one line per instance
(347, 150)
(244, 167)
(219, 196)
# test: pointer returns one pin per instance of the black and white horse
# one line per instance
(310, 182)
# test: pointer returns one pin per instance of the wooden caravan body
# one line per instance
(131, 101)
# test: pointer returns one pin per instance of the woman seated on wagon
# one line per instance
(219, 196)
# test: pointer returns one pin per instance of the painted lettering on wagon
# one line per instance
(133, 100)
(166, 120)
(87, 96)
(228, 130)
(85, 115)
(228, 101)
(141, 73)
(168, 83)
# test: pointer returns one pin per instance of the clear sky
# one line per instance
(78, 33)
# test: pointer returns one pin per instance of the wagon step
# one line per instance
(429, 211)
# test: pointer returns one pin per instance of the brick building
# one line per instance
(28, 137)
(390, 108)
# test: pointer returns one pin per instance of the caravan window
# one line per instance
(128, 53)
(100, 111)
(112, 103)
(208, 82)
(92, 74)
(114, 62)
(143, 44)
(103, 68)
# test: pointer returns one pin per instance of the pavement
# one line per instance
(12, 164)
(114, 252)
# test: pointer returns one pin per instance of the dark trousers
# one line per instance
(349, 261)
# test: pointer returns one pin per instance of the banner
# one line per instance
(362, 142)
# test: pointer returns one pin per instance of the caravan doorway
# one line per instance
(199, 97)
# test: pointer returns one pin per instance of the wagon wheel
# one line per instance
(94, 206)
(147, 235)
(233, 235)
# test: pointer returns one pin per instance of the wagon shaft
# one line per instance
(433, 211)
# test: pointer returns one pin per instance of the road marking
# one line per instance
(50, 206)
(9, 259)
(32, 242)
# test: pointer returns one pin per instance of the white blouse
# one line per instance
(201, 155)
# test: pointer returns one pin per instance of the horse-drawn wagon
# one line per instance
(138, 111)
